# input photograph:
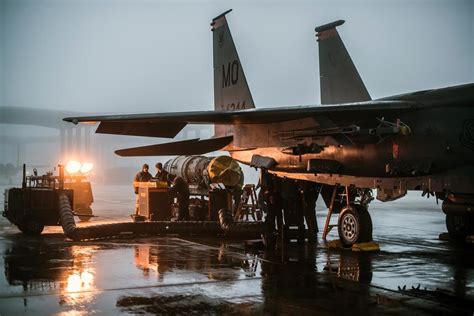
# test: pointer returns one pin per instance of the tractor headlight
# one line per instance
(73, 167)
(87, 167)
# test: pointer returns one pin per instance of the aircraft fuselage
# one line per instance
(441, 139)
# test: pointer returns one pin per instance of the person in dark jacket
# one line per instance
(161, 174)
(309, 193)
(271, 194)
(142, 176)
(180, 189)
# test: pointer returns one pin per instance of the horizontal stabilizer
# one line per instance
(185, 147)
(140, 128)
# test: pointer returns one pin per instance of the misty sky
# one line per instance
(141, 56)
(152, 55)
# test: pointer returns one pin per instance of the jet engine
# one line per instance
(200, 171)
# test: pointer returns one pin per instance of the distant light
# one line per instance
(74, 283)
(86, 167)
(73, 166)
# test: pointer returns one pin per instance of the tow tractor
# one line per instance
(35, 204)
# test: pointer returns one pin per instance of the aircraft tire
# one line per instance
(354, 225)
(459, 226)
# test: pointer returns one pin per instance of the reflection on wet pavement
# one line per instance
(172, 275)
(175, 303)
(350, 266)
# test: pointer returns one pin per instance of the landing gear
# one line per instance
(354, 225)
(459, 226)
(459, 216)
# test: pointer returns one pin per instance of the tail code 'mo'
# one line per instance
(340, 81)
(231, 91)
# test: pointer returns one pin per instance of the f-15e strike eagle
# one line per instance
(421, 140)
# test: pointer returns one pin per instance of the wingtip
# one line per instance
(119, 152)
(71, 120)
(75, 121)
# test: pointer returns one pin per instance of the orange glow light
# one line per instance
(86, 167)
(73, 166)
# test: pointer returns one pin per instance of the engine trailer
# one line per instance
(35, 204)
(214, 183)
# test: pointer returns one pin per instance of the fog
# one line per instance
(129, 56)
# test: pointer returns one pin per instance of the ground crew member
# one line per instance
(180, 189)
(271, 196)
(277, 203)
(161, 174)
(309, 192)
(142, 176)
(293, 214)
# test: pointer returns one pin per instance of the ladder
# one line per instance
(245, 208)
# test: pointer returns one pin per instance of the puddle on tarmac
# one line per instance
(174, 303)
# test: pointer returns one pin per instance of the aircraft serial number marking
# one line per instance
(233, 106)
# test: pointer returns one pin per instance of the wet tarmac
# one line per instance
(414, 272)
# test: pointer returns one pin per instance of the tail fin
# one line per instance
(231, 91)
(339, 79)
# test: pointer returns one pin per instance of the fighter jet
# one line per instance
(350, 144)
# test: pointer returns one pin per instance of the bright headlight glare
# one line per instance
(73, 166)
(86, 167)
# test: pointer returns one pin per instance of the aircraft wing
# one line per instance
(184, 147)
(169, 124)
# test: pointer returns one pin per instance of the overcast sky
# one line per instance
(142, 56)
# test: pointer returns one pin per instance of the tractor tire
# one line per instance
(31, 227)
(354, 225)
(83, 209)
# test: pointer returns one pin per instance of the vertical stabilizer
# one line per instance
(231, 91)
(339, 79)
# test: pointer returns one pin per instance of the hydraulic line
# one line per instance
(186, 228)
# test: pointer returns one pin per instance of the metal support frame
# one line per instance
(244, 208)
(327, 226)
(347, 195)
(328, 218)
